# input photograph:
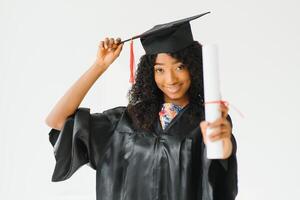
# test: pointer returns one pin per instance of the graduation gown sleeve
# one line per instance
(222, 183)
(83, 140)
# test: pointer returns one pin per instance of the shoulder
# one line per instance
(108, 118)
(120, 118)
(115, 114)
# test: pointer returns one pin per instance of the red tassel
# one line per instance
(132, 63)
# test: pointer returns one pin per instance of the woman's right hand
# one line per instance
(109, 49)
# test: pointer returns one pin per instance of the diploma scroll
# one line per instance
(212, 94)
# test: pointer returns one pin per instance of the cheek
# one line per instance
(187, 78)
(157, 80)
(188, 81)
(189, 84)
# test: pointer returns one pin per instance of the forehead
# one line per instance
(165, 59)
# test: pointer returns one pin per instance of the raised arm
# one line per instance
(108, 51)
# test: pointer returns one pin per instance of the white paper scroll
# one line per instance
(212, 93)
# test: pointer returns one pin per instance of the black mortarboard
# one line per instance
(169, 37)
(164, 38)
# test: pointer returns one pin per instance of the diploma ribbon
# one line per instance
(226, 103)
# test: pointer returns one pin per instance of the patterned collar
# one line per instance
(167, 113)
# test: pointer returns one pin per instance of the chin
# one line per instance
(175, 97)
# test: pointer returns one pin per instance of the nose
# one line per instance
(171, 78)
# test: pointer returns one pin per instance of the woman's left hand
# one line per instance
(221, 131)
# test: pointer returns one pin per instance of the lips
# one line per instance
(173, 89)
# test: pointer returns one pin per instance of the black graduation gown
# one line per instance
(168, 164)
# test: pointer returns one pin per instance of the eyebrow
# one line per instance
(175, 62)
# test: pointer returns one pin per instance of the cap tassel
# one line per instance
(132, 63)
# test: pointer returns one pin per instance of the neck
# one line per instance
(181, 103)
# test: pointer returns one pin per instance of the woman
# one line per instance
(155, 147)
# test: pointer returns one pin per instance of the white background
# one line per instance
(46, 45)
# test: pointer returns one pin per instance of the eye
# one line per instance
(180, 67)
(158, 70)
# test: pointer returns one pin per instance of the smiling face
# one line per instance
(172, 78)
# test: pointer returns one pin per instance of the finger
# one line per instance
(219, 136)
(119, 49)
(224, 110)
(220, 130)
(203, 127)
(101, 45)
(218, 122)
(216, 138)
(215, 131)
(111, 43)
(226, 125)
(106, 42)
(115, 44)
(223, 106)
(118, 40)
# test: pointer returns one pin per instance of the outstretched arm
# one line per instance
(108, 51)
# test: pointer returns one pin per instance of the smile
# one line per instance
(173, 89)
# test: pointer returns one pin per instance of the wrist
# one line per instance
(227, 148)
(98, 68)
(100, 65)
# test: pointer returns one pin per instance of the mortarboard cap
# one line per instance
(169, 37)
(164, 38)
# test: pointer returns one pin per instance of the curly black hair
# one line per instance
(146, 99)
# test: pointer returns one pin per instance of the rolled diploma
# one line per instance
(212, 93)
